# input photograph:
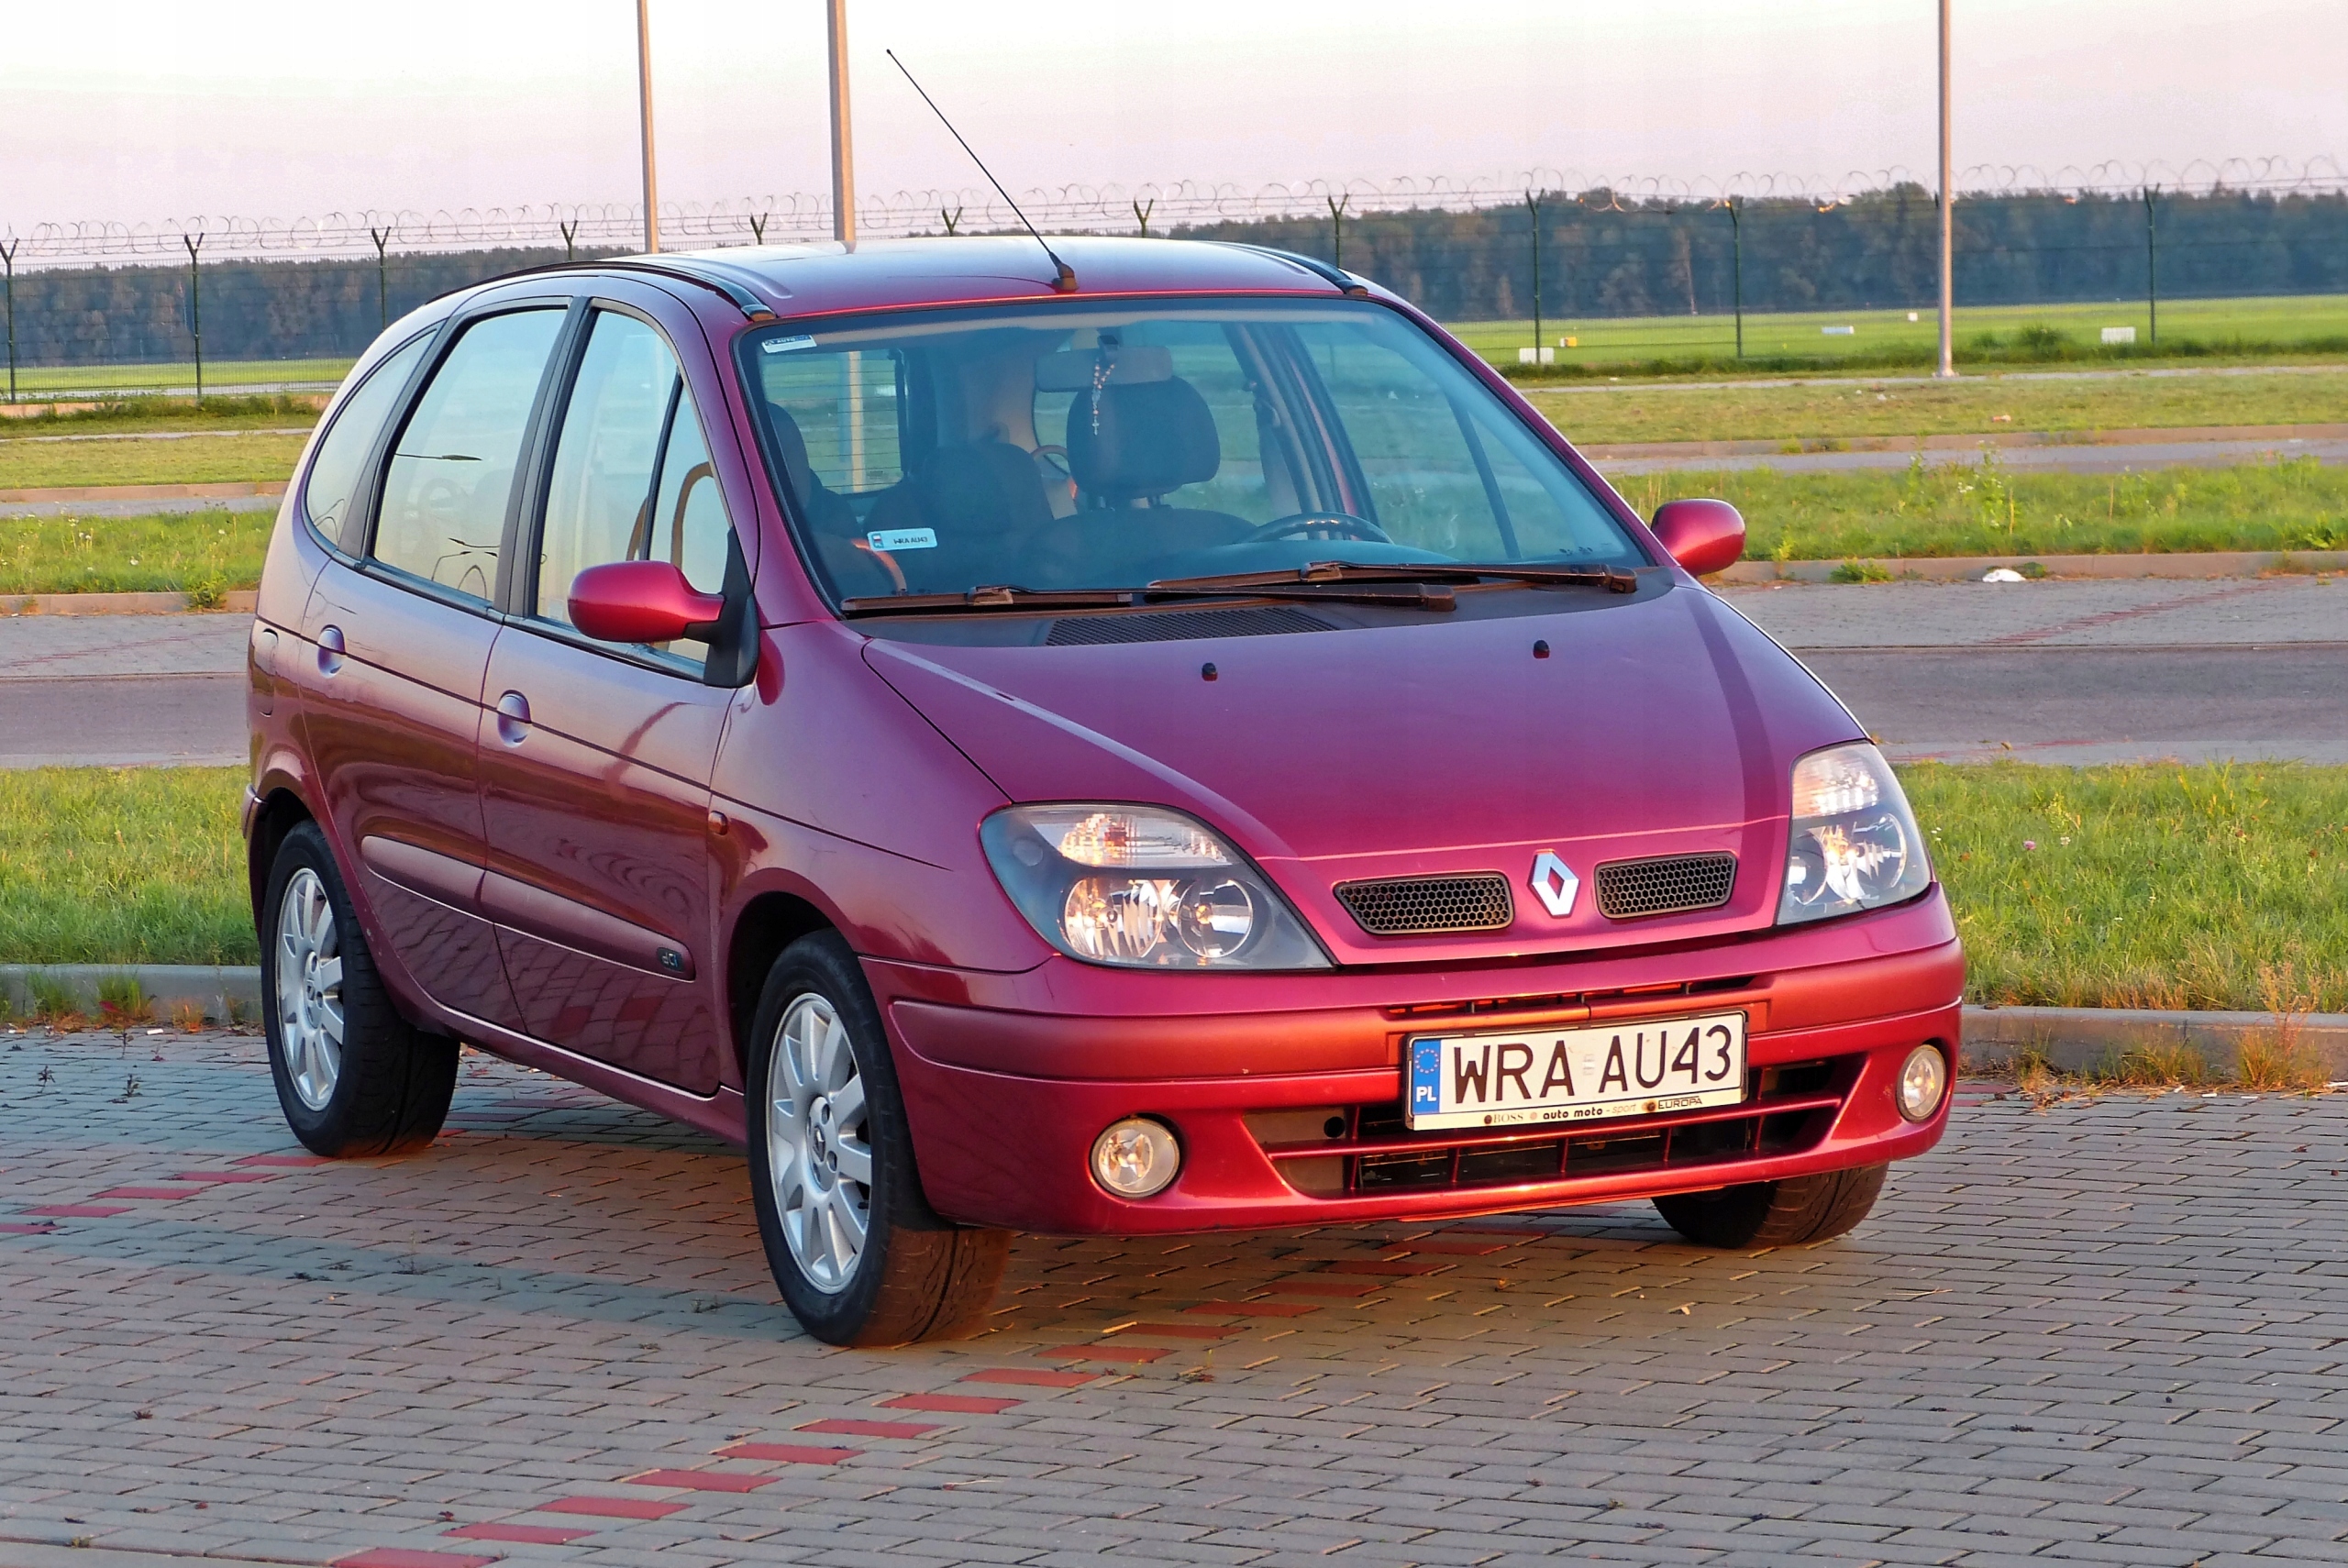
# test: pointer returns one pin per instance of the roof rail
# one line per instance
(1344, 282)
(680, 268)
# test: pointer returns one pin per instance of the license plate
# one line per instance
(1509, 1079)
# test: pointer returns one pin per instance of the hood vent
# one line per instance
(1670, 884)
(1180, 625)
(1407, 906)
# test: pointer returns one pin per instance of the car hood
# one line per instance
(1656, 725)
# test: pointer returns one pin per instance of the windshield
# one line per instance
(1080, 447)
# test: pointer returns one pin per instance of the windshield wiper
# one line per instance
(1614, 579)
(1403, 593)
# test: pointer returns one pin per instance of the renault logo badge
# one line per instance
(1554, 883)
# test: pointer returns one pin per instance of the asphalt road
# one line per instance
(2130, 458)
(2091, 671)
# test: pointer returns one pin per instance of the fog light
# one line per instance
(1136, 1158)
(1922, 1077)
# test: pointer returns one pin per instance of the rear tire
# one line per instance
(860, 1257)
(353, 1076)
(1776, 1213)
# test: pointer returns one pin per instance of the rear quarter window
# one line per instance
(328, 492)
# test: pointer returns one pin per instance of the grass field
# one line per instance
(1985, 333)
(195, 552)
(1984, 508)
(2101, 887)
(229, 375)
(1660, 410)
(202, 458)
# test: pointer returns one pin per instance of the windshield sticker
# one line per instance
(785, 345)
(887, 539)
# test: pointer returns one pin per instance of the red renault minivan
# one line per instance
(1176, 748)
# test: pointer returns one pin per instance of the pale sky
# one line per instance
(137, 110)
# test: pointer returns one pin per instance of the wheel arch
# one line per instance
(770, 922)
(280, 813)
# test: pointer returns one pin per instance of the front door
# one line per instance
(596, 757)
(394, 648)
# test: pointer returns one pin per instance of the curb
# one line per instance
(236, 602)
(2073, 1039)
(1968, 569)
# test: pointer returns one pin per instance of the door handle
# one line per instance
(330, 650)
(513, 718)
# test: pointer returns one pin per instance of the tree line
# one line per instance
(1597, 256)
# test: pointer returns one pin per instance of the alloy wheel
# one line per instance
(309, 988)
(818, 1154)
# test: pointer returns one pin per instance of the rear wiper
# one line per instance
(1614, 579)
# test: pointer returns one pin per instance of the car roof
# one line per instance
(789, 280)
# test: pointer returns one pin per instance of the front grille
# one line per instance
(1397, 906)
(1180, 625)
(1668, 884)
(1340, 1151)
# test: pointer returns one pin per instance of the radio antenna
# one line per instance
(1065, 281)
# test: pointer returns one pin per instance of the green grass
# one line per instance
(1660, 410)
(2205, 887)
(205, 457)
(81, 380)
(1986, 509)
(2166, 887)
(135, 866)
(167, 552)
(2189, 329)
(141, 415)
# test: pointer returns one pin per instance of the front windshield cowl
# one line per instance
(1061, 456)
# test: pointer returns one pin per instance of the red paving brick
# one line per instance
(1383, 1265)
(699, 1480)
(1100, 1352)
(1180, 1330)
(533, 1535)
(1323, 1287)
(1252, 1309)
(28, 1230)
(788, 1452)
(403, 1557)
(837, 1427)
(79, 1210)
(611, 1507)
(949, 1403)
(1031, 1377)
(151, 1192)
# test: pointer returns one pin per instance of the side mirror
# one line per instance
(641, 602)
(1704, 536)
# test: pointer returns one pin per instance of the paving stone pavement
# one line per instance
(2108, 1331)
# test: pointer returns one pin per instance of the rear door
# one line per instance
(396, 638)
(596, 763)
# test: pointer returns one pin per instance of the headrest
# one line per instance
(792, 446)
(1149, 438)
(989, 487)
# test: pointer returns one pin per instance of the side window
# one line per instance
(632, 478)
(451, 473)
(327, 495)
(848, 407)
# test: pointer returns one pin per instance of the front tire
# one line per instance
(856, 1249)
(1776, 1213)
(353, 1076)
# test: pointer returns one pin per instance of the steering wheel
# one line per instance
(1318, 525)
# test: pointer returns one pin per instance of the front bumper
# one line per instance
(1284, 1091)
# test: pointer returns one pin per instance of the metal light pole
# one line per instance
(644, 98)
(843, 160)
(1948, 219)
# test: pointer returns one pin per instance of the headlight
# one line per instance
(1142, 886)
(1854, 844)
